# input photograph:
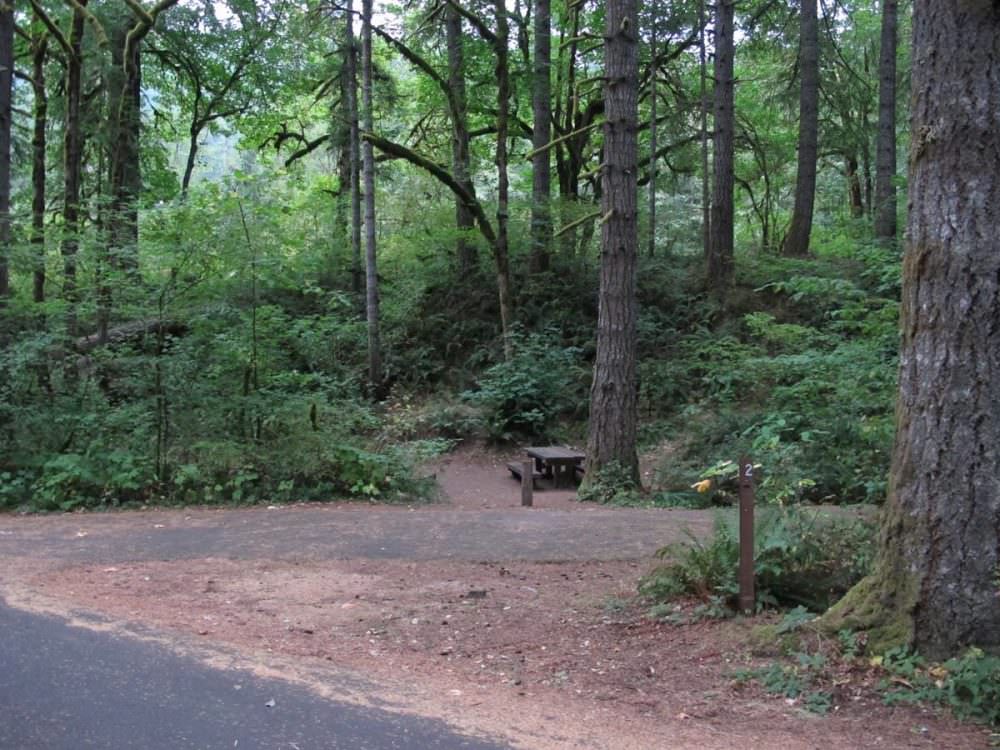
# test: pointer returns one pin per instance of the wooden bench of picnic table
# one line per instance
(517, 469)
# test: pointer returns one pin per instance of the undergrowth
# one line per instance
(801, 557)
(818, 671)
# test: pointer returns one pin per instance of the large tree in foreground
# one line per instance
(613, 395)
(936, 584)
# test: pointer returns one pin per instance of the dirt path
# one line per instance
(510, 622)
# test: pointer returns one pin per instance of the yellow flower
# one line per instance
(703, 486)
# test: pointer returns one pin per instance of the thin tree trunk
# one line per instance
(465, 250)
(341, 129)
(565, 167)
(706, 204)
(73, 157)
(193, 133)
(541, 134)
(885, 148)
(797, 239)
(653, 93)
(124, 179)
(351, 110)
(500, 248)
(614, 392)
(720, 256)
(39, 51)
(935, 580)
(6, 116)
(854, 186)
(368, 166)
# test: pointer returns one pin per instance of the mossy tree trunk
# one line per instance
(935, 585)
(541, 134)
(375, 375)
(6, 113)
(461, 159)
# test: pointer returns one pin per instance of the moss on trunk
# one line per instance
(883, 612)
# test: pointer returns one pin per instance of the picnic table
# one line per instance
(559, 464)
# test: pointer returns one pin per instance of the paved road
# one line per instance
(69, 688)
(330, 533)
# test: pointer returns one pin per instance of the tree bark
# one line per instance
(614, 391)
(797, 239)
(935, 580)
(720, 254)
(465, 250)
(124, 125)
(73, 157)
(39, 51)
(354, 146)
(885, 148)
(541, 134)
(854, 186)
(653, 93)
(6, 116)
(124, 131)
(500, 248)
(375, 378)
(706, 204)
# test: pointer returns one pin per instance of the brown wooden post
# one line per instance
(527, 483)
(746, 577)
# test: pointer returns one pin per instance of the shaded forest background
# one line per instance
(192, 313)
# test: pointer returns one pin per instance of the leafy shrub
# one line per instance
(968, 684)
(523, 395)
(613, 485)
(797, 680)
(798, 370)
(800, 558)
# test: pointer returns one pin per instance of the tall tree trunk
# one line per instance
(6, 116)
(706, 204)
(465, 250)
(354, 146)
(541, 134)
(614, 391)
(73, 158)
(375, 378)
(500, 250)
(935, 581)
(720, 254)
(341, 140)
(566, 110)
(39, 51)
(797, 239)
(653, 93)
(885, 148)
(124, 179)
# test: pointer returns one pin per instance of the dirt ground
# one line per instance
(544, 654)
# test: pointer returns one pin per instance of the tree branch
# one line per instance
(442, 175)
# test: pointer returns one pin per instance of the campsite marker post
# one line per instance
(746, 578)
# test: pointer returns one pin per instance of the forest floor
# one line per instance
(507, 622)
